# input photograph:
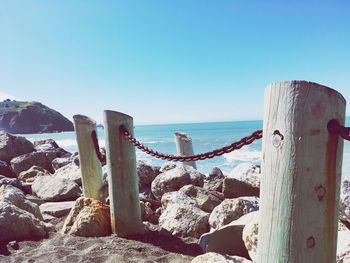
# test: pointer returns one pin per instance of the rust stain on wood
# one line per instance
(331, 174)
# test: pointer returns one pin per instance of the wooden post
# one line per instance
(301, 170)
(184, 147)
(90, 166)
(122, 176)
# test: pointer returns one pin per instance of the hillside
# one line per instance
(31, 117)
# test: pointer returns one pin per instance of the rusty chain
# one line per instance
(100, 155)
(202, 156)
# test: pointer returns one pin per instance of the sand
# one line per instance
(155, 246)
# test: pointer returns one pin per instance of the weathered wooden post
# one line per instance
(123, 180)
(90, 165)
(301, 170)
(184, 147)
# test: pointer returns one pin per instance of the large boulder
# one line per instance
(205, 200)
(12, 146)
(250, 236)
(233, 188)
(71, 172)
(212, 257)
(88, 218)
(232, 209)
(56, 209)
(19, 218)
(26, 161)
(59, 162)
(247, 172)
(344, 204)
(52, 188)
(33, 172)
(174, 179)
(343, 248)
(146, 174)
(181, 216)
(45, 145)
(26, 188)
(6, 170)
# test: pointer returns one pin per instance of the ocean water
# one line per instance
(205, 137)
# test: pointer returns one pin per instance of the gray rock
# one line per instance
(213, 183)
(233, 188)
(205, 200)
(33, 172)
(6, 170)
(60, 162)
(26, 188)
(174, 179)
(228, 239)
(232, 209)
(57, 209)
(248, 173)
(250, 236)
(344, 204)
(71, 172)
(88, 218)
(26, 161)
(19, 218)
(146, 174)
(343, 247)
(57, 153)
(51, 188)
(52, 144)
(184, 220)
(216, 173)
(212, 257)
(12, 146)
(147, 214)
(167, 166)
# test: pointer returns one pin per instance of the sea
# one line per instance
(205, 137)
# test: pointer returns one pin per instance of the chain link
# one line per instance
(202, 156)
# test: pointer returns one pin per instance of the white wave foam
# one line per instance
(243, 155)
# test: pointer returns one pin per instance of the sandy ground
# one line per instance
(155, 246)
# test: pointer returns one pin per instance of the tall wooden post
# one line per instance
(184, 147)
(301, 170)
(122, 175)
(90, 165)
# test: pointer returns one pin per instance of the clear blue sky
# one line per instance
(169, 61)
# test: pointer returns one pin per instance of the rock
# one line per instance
(184, 220)
(213, 183)
(344, 204)
(88, 218)
(167, 166)
(60, 162)
(26, 161)
(71, 172)
(247, 172)
(343, 247)
(216, 173)
(147, 214)
(57, 153)
(75, 158)
(232, 209)
(218, 258)
(146, 174)
(52, 188)
(16, 183)
(19, 218)
(205, 200)
(34, 199)
(233, 188)
(174, 179)
(6, 170)
(31, 117)
(174, 198)
(33, 172)
(16, 197)
(12, 146)
(56, 209)
(228, 239)
(50, 142)
(250, 237)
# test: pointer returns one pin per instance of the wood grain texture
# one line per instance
(122, 176)
(90, 165)
(184, 147)
(301, 174)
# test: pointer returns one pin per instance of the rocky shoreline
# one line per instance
(188, 216)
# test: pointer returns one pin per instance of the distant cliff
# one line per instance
(31, 117)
